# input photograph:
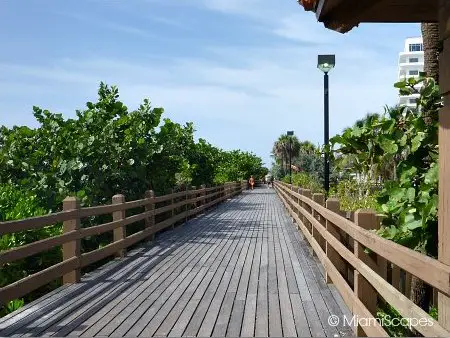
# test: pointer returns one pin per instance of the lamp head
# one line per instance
(325, 62)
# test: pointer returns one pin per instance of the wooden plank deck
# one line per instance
(242, 269)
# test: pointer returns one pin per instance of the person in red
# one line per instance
(251, 181)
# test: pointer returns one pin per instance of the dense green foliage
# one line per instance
(399, 151)
(406, 140)
(354, 195)
(16, 203)
(105, 150)
(306, 181)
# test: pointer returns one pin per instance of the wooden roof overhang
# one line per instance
(343, 15)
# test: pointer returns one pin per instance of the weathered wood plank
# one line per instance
(262, 301)
(233, 269)
(242, 269)
(195, 312)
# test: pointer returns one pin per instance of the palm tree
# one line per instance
(285, 147)
(307, 147)
(430, 35)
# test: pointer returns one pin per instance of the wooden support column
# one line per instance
(150, 221)
(119, 233)
(365, 219)
(320, 199)
(186, 207)
(340, 264)
(302, 204)
(203, 194)
(299, 202)
(172, 202)
(444, 156)
(307, 194)
(73, 248)
(381, 261)
(308, 225)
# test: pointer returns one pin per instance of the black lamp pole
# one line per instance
(326, 182)
(325, 63)
(290, 160)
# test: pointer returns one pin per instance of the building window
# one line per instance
(416, 47)
(413, 60)
(413, 72)
(412, 101)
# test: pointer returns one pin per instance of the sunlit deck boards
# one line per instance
(242, 269)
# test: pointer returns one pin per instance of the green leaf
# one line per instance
(432, 175)
(427, 89)
(417, 140)
(414, 224)
(400, 84)
(388, 145)
(403, 140)
(411, 194)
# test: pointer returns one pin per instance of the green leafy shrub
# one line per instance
(16, 203)
(354, 195)
(105, 150)
(305, 181)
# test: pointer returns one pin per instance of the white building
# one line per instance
(410, 63)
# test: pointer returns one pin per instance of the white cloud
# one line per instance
(273, 90)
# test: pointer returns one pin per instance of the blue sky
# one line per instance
(244, 71)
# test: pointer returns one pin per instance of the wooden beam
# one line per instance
(444, 157)
(343, 15)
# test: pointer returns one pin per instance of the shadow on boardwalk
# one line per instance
(242, 269)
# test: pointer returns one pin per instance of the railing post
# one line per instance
(395, 273)
(333, 204)
(150, 221)
(381, 261)
(203, 195)
(308, 225)
(186, 207)
(320, 199)
(307, 194)
(172, 214)
(444, 158)
(119, 233)
(300, 203)
(193, 194)
(366, 219)
(73, 248)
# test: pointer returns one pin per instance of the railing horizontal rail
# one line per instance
(194, 201)
(36, 222)
(312, 223)
(437, 273)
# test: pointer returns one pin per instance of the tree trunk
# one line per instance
(430, 34)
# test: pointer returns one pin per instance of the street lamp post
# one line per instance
(290, 133)
(325, 63)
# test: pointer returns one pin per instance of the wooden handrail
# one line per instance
(74, 261)
(312, 223)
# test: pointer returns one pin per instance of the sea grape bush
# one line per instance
(106, 149)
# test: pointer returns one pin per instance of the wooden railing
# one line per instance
(177, 208)
(365, 280)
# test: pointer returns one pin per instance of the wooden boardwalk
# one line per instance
(242, 269)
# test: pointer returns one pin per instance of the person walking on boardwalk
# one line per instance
(251, 181)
